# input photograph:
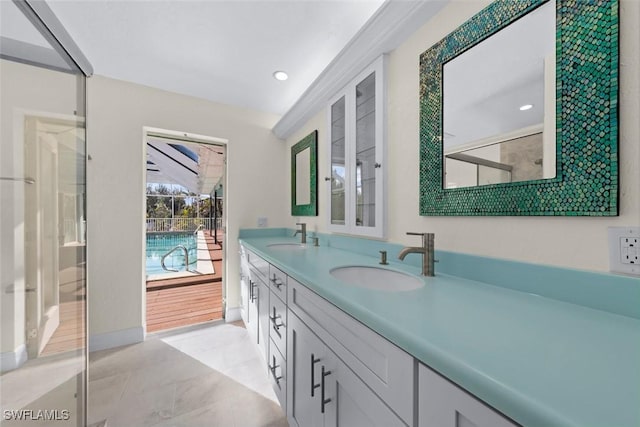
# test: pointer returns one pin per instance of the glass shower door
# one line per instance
(42, 225)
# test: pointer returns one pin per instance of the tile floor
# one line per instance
(204, 376)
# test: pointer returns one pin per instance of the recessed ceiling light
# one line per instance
(526, 107)
(280, 75)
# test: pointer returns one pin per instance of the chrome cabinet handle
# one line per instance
(252, 294)
(323, 400)
(274, 319)
(314, 386)
(277, 282)
(273, 371)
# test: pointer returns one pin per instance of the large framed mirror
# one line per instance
(518, 112)
(304, 176)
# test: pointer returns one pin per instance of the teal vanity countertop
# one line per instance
(541, 361)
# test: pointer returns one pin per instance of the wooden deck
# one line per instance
(172, 303)
(70, 334)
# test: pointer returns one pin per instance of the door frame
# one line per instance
(43, 332)
(193, 138)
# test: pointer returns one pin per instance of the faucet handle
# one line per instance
(427, 238)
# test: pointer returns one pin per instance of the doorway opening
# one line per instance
(184, 229)
(55, 229)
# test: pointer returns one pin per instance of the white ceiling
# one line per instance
(223, 51)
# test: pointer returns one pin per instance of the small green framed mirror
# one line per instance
(304, 176)
(490, 145)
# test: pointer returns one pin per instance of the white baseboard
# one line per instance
(232, 314)
(11, 360)
(116, 339)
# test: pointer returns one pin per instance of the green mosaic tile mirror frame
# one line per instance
(311, 209)
(586, 182)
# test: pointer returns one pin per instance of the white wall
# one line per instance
(37, 91)
(117, 113)
(569, 242)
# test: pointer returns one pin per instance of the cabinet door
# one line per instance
(443, 404)
(263, 317)
(244, 299)
(338, 202)
(356, 154)
(244, 285)
(350, 403)
(305, 353)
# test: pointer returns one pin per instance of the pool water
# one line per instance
(160, 244)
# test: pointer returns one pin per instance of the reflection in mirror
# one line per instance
(303, 177)
(366, 152)
(499, 106)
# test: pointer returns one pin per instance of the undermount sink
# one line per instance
(287, 246)
(377, 278)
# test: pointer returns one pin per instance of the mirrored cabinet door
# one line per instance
(356, 123)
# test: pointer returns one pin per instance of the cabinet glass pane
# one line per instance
(366, 152)
(338, 162)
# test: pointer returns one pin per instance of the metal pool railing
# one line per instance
(181, 224)
(186, 258)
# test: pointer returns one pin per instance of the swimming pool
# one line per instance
(159, 244)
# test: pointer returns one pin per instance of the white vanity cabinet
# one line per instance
(255, 298)
(323, 391)
(368, 369)
(328, 369)
(443, 404)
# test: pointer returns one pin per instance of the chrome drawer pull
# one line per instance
(277, 282)
(273, 371)
(323, 401)
(314, 386)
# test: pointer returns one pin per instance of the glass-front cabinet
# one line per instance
(357, 171)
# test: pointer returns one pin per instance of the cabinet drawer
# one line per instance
(260, 266)
(256, 276)
(385, 368)
(278, 373)
(278, 282)
(278, 323)
(442, 403)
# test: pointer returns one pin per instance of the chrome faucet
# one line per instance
(426, 250)
(302, 230)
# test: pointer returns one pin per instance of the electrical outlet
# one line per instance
(262, 221)
(629, 250)
(624, 250)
